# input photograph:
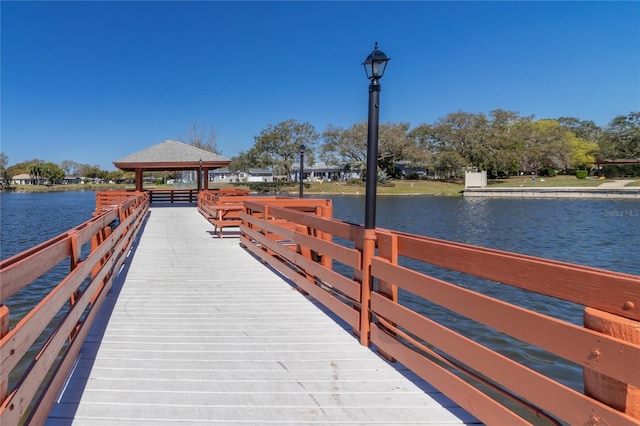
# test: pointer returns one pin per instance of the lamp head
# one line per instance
(375, 64)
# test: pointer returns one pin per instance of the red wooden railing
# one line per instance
(608, 348)
(173, 195)
(45, 342)
(110, 200)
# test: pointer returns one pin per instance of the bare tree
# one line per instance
(70, 167)
(196, 136)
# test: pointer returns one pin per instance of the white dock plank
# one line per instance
(201, 333)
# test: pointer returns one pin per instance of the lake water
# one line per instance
(598, 233)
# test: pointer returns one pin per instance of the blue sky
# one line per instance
(95, 81)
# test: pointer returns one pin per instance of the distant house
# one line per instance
(406, 170)
(260, 175)
(321, 171)
(222, 175)
(70, 180)
(23, 179)
(252, 175)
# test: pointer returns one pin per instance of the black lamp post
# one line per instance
(301, 169)
(374, 66)
(200, 176)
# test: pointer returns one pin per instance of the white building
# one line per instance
(322, 172)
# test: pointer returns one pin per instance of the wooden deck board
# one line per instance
(201, 333)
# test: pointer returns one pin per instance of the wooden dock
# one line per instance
(200, 332)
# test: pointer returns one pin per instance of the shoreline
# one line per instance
(614, 189)
(555, 192)
(606, 190)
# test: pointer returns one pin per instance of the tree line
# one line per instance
(45, 171)
(501, 142)
(42, 171)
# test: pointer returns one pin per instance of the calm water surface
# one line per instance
(28, 219)
(597, 233)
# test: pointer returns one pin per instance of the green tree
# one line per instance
(4, 160)
(424, 142)
(500, 154)
(586, 130)
(458, 140)
(279, 146)
(92, 172)
(394, 144)
(349, 146)
(419, 152)
(544, 143)
(621, 138)
(245, 160)
(22, 167)
(5, 178)
(52, 172)
(116, 175)
(449, 164)
(345, 146)
(463, 133)
(582, 152)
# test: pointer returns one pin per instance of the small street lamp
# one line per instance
(374, 66)
(301, 169)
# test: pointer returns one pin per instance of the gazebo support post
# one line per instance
(139, 180)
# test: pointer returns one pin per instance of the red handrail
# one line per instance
(45, 342)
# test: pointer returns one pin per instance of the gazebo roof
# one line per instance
(171, 155)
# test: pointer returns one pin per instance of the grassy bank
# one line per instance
(74, 187)
(398, 187)
(557, 181)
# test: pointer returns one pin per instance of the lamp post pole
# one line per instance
(301, 171)
(374, 66)
(372, 156)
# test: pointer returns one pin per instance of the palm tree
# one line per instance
(35, 170)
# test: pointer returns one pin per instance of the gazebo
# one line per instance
(172, 156)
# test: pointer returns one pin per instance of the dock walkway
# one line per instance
(199, 332)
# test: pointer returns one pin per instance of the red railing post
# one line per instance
(616, 394)
(327, 211)
(4, 329)
(368, 251)
(388, 249)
